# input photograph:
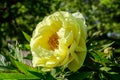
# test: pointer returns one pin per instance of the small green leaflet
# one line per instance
(27, 37)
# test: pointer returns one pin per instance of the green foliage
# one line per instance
(18, 18)
(27, 37)
(22, 71)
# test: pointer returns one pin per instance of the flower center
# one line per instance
(53, 41)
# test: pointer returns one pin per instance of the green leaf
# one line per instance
(23, 68)
(106, 45)
(99, 57)
(23, 71)
(105, 69)
(48, 76)
(6, 68)
(27, 37)
(2, 61)
(15, 52)
(79, 76)
(112, 76)
(17, 76)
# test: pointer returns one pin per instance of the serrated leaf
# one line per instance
(27, 37)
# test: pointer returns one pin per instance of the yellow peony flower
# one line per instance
(59, 40)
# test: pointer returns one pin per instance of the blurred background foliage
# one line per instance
(102, 19)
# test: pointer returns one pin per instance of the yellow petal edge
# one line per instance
(59, 40)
